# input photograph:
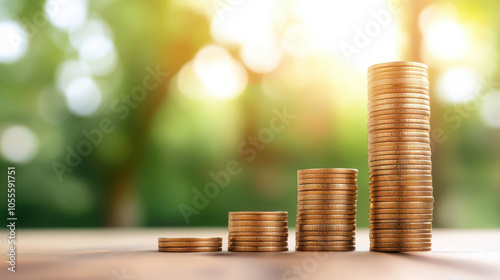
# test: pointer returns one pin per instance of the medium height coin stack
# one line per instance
(399, 156)
(258, 231)
(326, 210)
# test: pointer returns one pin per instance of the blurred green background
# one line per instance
(70, 69)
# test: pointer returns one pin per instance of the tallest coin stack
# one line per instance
(399, 156)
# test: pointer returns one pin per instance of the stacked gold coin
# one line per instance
(326, 210)
(258, 231)
(190, 245)
(399, 156)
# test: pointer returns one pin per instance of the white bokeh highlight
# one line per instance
(19, 144)
(13, 42)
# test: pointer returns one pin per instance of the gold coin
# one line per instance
(402, 198)
(326, 243)
(190, 239)
(400, 211)
(400, 216)
(399, 106)
(399, 168)
(398, 122)
(189, 244)
(326, 196)
(395, 236)
(401, 183)
(257, 239)
(327, 181)
(398, 146)
(236, 217)
(375, 193)
(326, 212)
(329, 187)
(379, 178)
(377, 173)
(190, 249)
(278, 213)
(401, 81)
(421, 225)
(329, 192)
(400, 244)
(325, 248)
(326, 207)
(402, 157)
(322, 217)
(400, 162)
(398, 95)
(400, 231)
(344, 221)
(373, 104)
(327, 202)
(256, 249)
(400, 133)
(399, 117)
(396, 111)
(337, 227)
(328, 170)
(399, 205)
(396, 86)
(325, 238)
(377, 224)
(257, 233)
(404, 64)
(258, 244)
(394, 71)
(397, 90)
(326, 175)
(397, 75)
(258, 223)
(257, 229)
(324, 233)
(414, 126)
(400, 152)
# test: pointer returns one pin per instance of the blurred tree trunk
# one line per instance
(173, 50)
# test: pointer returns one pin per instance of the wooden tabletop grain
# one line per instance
(131, 254)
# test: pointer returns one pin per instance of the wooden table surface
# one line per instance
(131, 254)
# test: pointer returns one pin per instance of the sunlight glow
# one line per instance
(458, 85)
(222, 76)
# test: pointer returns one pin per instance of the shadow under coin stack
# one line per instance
(326, 210)
(258, 231)
(399, 155)
(186, 245)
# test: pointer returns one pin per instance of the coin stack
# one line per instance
(190, 245)
(399, 156)
(326, 210)
(258, 231)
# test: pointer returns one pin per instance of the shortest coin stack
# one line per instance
(258, 231)
(190, 245)
(326, 210)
